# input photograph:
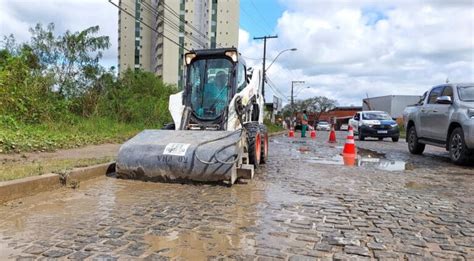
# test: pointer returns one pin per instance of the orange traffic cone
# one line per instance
(332, 135)
(349, 160)
(349, 146)
(313, 134)
(291, 133)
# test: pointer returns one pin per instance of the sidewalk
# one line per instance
(14, 166)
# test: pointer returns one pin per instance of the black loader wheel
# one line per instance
(413, 145)
(264, 155)
(458, 151)
(254, 140)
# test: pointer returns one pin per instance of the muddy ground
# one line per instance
(304, 205)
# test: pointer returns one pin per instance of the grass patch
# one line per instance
(17, 170)
(61, 135)
(272, 127)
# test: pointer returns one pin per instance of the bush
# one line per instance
(137, 97)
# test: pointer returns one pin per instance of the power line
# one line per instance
(245, 12)
(147, 25)
(172, 24)
(261, 15)
(183, 20)
(275, 89)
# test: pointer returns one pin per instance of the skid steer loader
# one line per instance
(218, 132)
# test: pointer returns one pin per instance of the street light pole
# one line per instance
(292, 49)
(264, 58)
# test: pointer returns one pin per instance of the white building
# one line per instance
(393, 104)
(166, 28)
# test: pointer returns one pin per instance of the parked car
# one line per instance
(377, 124)
(344, 127)
(444, 117)
(323, 125)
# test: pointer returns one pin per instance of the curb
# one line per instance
(15, 189)
(276, 133)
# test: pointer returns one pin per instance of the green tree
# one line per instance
(72, 58)
(316, 105)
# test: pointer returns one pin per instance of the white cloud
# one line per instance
(347, 49)
(16, 17)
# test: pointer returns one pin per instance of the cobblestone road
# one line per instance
(304, 205)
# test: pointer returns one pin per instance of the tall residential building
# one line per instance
(168, 28)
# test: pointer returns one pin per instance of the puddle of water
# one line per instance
(364, 161)
(299, 141)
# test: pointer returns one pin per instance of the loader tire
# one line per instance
(264, 132)
(254, 140)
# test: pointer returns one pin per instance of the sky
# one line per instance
(347, 50)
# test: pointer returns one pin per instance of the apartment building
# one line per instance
(155, 34)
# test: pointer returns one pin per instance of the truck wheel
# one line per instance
(361, 136)
(458, 152)
(264, 132)
(395, 139)
(413, 145)
(254, 140)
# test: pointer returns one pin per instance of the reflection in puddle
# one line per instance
(364, 161)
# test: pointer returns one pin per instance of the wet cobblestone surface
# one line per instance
(304, 205)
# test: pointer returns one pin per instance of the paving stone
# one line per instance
(103, 257)
(410, 250)
(270, 253)
(157, 257)
(447, 255)
(384, 255)
(376, 246)
(342, 241)
(357, 250)
(79, 255)
(342, 256)
(25, 258)
(454, 248)
(35, 250)
(323, 247)
(300, 258)
(56, 253)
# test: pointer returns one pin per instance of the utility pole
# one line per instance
(292, 96)
(292, 100)
(264, 58)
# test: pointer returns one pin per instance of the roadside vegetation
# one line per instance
(55, 94)
(273, 127)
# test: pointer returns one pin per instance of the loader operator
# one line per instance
(217, 93)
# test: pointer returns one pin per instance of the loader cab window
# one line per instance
(241, 78)
(210, 84)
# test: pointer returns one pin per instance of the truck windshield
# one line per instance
(466, 93)
(375, 116)
(210, 84)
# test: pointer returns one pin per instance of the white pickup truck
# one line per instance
(444, 117)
